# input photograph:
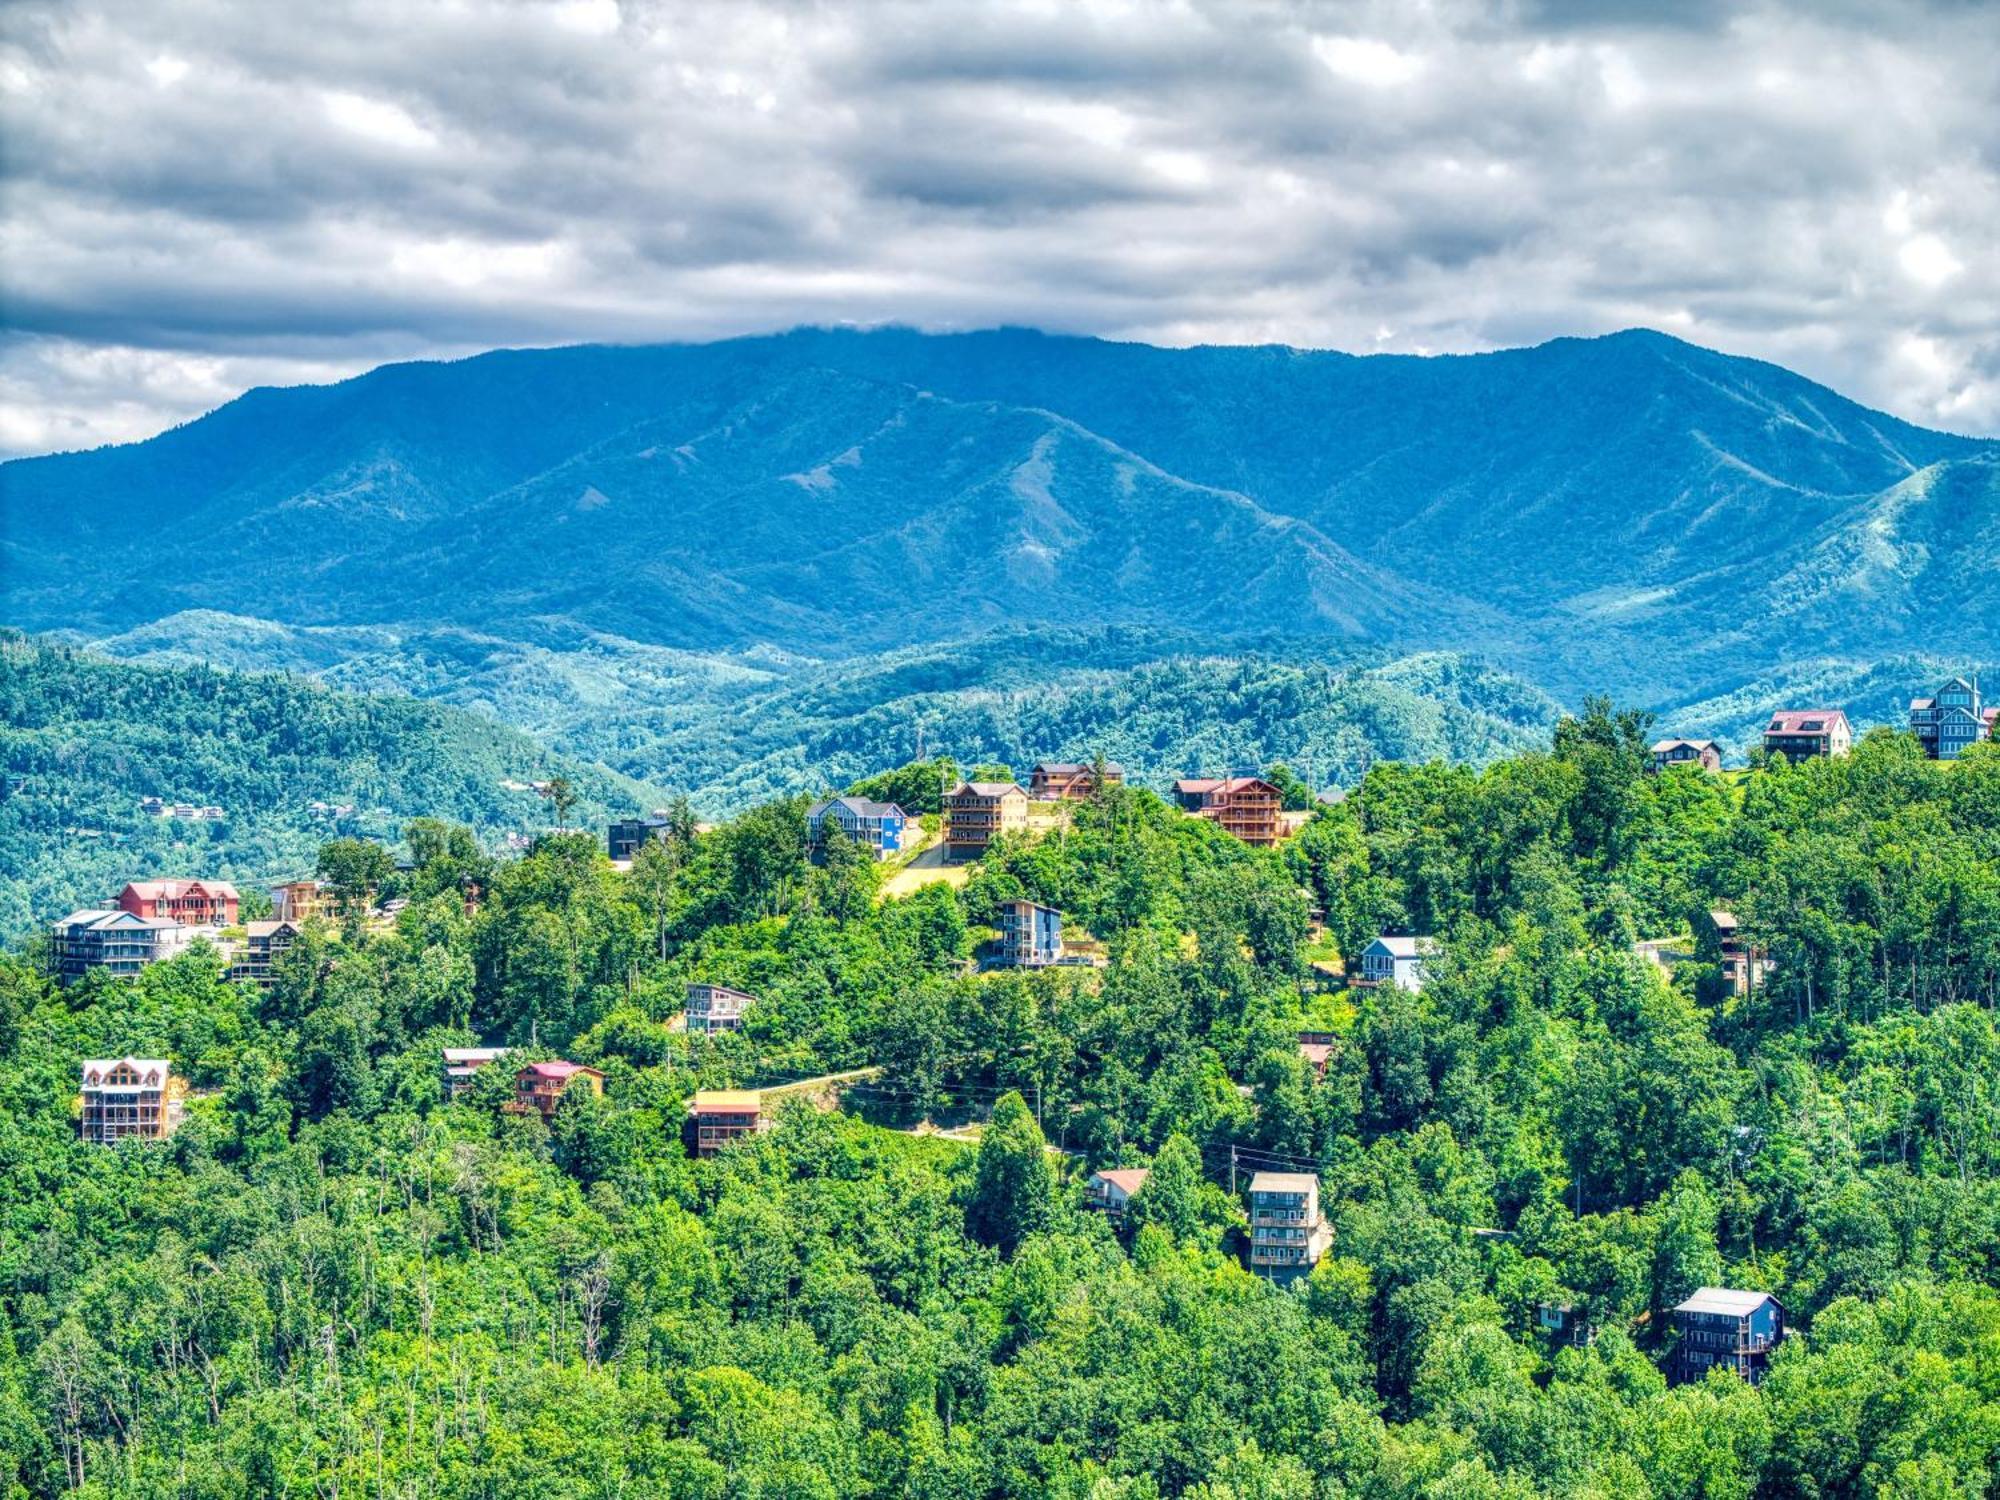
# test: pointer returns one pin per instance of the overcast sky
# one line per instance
(203, 195)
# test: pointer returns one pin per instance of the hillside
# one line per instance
(83, 739)
(1629, 513)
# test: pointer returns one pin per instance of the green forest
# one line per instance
(331, 1282)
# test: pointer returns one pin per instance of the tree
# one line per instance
(354, 869)
(562, 796)
(1013, 1189)
(1171, 1195)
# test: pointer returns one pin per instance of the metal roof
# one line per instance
(1727, 1301)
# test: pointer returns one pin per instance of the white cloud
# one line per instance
(1810, 184)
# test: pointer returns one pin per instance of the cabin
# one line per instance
(1704, 754)
(1726, 1328)
(1317, 1054)
(1397, 961)
(977, 812)
(1805, 733)
(718, 1116)
(1111, 1191)
(1070, 781)
(1952, 719)
(1742, 963)
(624, 838)
(715, 1007)
(129, 1096)
(882, 828)
(300, 900)
(192, 903)
(1249, 807)
(539, 1088)
(460, 1063)
(1031, 935)
(1287, 1234)
(114, 941)
(264, 944)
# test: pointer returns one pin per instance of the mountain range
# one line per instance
(683, 531)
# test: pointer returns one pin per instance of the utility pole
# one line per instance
(1232, 1169)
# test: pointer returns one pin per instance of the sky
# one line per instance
(198, 196)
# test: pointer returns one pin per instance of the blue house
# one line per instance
(882, 826)
(1720, 1326)
(1030, 935)
(1952, 719)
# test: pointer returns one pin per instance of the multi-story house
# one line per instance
(626, 835)
(719, 1116)
(1247, 806)
(1111, 1191)
(1951, 719)
(715, 1007)
(1398, 961)
(539, 1087)
(1287, 1234)
(192, 903)
(1802, 733)
(264, 943)
(977, 812)
(1702, 753)
(460, 1063)
(1070, 781)
(115, 941)
(1735, 1330)
(881, 827)
(1030, 935)
(129, 1096)
(300, 900)
(1742, 963)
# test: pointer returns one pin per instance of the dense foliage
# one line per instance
(332, 1282)
(83, 740)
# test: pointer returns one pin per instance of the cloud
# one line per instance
(202, 194)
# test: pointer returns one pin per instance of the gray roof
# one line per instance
(1727, 1301)
(1406, 947)
(987, 788)
(1284, 1182)
(861, 807)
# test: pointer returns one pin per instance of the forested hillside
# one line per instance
(84, 739)
(330, 1281)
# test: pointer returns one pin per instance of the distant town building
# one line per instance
(1111, 1191)
(977, 812)
(539, 1087)
(880, 827)
(1030, 935)
(264, 943)
(129, 1096)
(1702, 753)
(460, 1063)
(115, 941)
(1398, 961)
(720, 1116)
(1287, 1234)
(1742, 963)
(1735, 1330)
(1802, 733)
(1247, 806)
(300, 900)
(1952, 718)
(1070, 781)
(715, 1007)
(192, 903)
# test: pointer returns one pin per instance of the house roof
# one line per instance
(1405, 947)
(986, 788)
(118, 917)
(1725, 921)
(717, 989)
(1075, 767)
(459, 1056)
(1284, 1182)
(266, 929)
(1193, 784)
(727, 1101)
(1805, 721)
(1315, 1053)
(861, 807)
(1725, 1300)
(1125, 1179)
(558, 1068)
(1661, 747)
(168, 890)
(96, 1067)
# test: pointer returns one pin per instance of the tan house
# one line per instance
(719, 1116)
(1111, 1191)
(539, 1087)
(1287, 1234)
(977, 812)
(1070, 781)
(1249, 807)
(298, 900)
(129, 1096)
(1743, 963)
(264, 943)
